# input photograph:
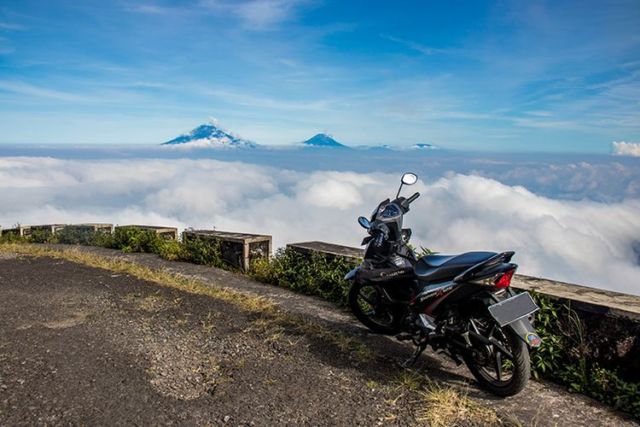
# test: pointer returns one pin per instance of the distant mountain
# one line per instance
(211, 135)
(323, 140)
(424, 146)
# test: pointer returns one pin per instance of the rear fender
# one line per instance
(522, 327)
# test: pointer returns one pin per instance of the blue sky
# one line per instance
(513, 76)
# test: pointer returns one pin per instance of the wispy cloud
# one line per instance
(250, 100)
(253, 15)
(12, 26)
(30, 90)
(151, 9)
(418, 47)
(266, 14)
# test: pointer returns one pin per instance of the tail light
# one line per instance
(504, 280)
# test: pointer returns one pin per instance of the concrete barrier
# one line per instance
(328, 249)
(103, 227)
(237, 249)
(27, 230)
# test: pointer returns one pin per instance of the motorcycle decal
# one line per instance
(533, 339)
(393, 273)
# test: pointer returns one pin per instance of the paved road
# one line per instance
(82, 345)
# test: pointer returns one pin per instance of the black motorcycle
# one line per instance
(461, 305)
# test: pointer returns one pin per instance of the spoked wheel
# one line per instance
(369, 305)
(501, 367)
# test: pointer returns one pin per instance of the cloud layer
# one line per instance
(626, 148)
(584, 242)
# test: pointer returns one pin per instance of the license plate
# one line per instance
(512, 309)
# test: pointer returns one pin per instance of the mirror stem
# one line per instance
(399, 189)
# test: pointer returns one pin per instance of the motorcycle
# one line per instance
(460, 305)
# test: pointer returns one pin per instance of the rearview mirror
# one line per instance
(364, 222)
(409, 178)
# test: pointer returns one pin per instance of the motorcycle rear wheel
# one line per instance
(368, 304)
(500, 374)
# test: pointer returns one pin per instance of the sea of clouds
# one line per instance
(586, 241)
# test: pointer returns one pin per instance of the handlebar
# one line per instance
(412, 198)
(406, 202)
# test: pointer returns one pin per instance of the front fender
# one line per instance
(352, 274)
(526, 332)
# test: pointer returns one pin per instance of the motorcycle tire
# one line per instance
(520, 369)
(387, 328)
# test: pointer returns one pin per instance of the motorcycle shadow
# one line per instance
(348, 345)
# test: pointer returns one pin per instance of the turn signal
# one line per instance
(504, 280)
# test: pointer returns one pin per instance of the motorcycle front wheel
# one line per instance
(503, 367)
(369, 305)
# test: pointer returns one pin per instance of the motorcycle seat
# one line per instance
(440, 268)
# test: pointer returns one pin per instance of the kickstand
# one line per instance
(414, 358)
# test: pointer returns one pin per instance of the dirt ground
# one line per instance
(80, 345)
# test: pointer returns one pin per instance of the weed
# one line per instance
(410, 380)
(446, 406)
(562, 358)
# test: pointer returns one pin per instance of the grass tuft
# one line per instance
(447, 406)
(410, 380)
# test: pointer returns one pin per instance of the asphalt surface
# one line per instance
(80, 345)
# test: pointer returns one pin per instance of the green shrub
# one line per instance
(134, 239)
(74, 236)
(86, 236)
(548, 357)
(12, 238)
(171, 250)
(602, 384)
(102, 239)
(205, 251)
(41, 236)
(562, 357)
(311, 274)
